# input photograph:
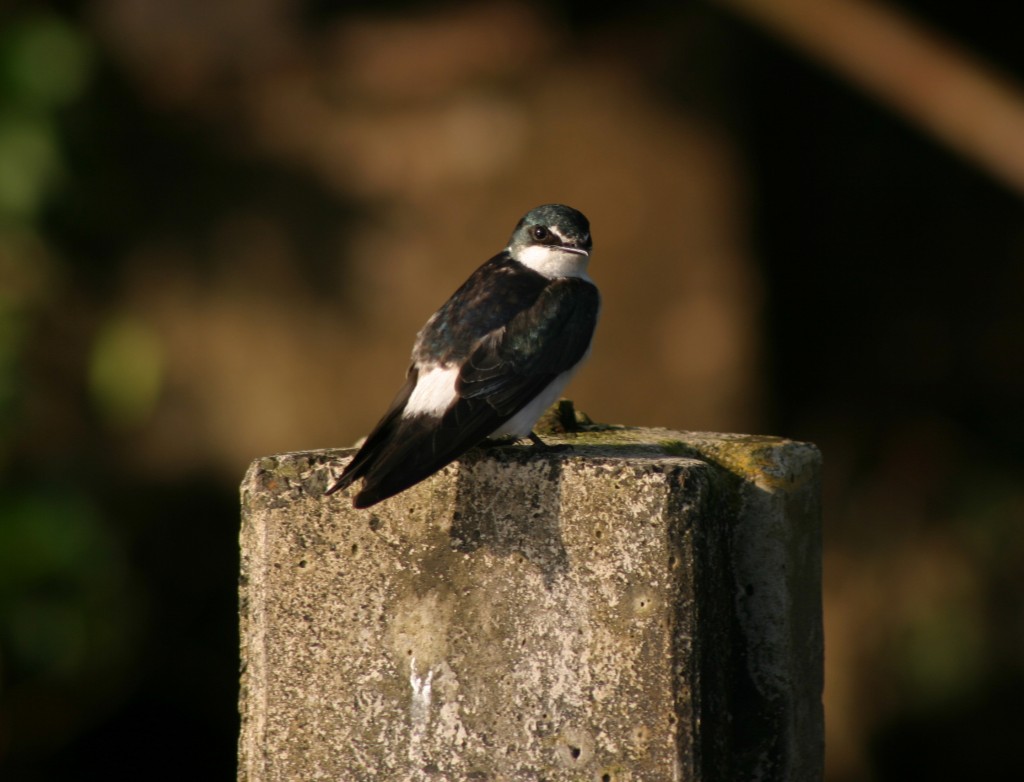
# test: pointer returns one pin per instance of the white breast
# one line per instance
(521, 424)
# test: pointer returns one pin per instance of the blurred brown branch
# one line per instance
(930, 80)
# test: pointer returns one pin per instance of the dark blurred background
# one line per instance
(222, 222)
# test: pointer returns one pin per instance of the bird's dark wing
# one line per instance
(491, 296)
(512, 365)
(506, 369)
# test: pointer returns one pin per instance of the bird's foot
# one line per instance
(540, 445)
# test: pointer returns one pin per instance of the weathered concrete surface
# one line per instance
(643, 607)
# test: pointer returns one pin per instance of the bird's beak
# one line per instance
(576, 250)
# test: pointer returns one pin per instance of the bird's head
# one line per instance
(553, 240)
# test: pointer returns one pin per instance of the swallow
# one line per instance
(491, 360)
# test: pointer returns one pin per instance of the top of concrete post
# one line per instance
(645, 606)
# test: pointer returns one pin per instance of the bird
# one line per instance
(491, 360)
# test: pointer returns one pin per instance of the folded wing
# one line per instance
(505, 370)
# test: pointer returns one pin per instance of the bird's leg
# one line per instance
(540, 445)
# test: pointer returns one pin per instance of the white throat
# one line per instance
(554, 262)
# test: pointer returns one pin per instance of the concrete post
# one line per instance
(646, 606)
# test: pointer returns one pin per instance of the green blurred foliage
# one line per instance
(69, 614)
(46, 61)
(117, 630)
(29, 164)
(125, 371)
(45, 64)
(66, 604)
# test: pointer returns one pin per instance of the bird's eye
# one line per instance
(540, 233)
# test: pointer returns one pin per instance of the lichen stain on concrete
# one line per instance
(418, 629)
